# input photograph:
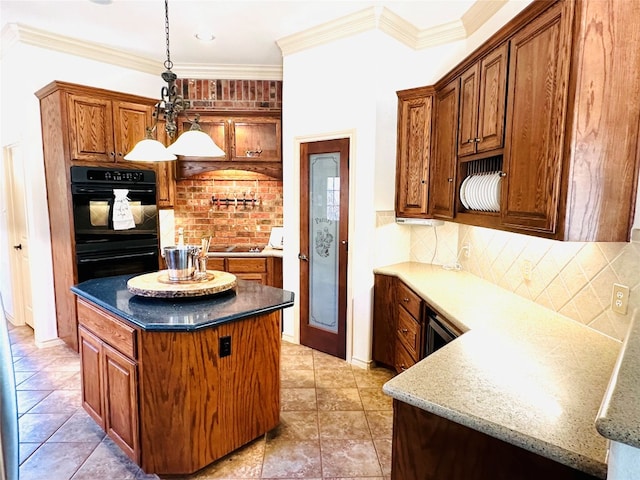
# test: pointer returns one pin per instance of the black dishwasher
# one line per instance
(437, 334)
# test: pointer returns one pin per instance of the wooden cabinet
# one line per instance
(428, 447)
(482, 104)
(413, 155)
(264, 270)
(109, 376)
(398, 324)
(86, 126)
(538, 71)
(443, 166)
(172, 400)
(105, 130)
(570, 158)
(251, 142)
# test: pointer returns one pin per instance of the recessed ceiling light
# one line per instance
(205, 36)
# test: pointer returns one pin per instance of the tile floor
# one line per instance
(335, 423)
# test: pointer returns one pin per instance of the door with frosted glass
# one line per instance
(324, 222)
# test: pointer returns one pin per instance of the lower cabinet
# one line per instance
(398, 324)
(428, 447)
(264, 270)
(109, 390)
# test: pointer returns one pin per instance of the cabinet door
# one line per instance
(165, 173)
(443, 165)
(216, 127)
(130, 125)
(91, 129)
(413, 155)
(468, 121)
(492, 100)
(536, 96)
(256, 139)
(384, 320)
(121, 401)
(91, 358)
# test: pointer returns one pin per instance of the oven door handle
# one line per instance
(115, 257)
(110, 190)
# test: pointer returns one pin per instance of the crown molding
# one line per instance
(393, 25)
(346, 26)
(479, 13)
(14, 33)
(229, 72)
(19, 33)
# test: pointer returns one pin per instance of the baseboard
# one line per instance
(364, 364)
(54, 342)
(289, 338)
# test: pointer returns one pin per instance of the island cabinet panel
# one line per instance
(121, 401)
(198, 404)
(91, 358)
(264, 270)
(428, 447)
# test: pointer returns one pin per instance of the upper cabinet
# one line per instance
(550, 105)
(251, 142)
(538, 73)
(415, 108)
(482, 104)
(443, 166)
(105, 130)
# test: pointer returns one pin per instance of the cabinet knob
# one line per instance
(404, 330)
(423, 181)
(405, 299)
(449, 179)
(477, 140)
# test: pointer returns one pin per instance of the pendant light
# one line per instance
(192, 143)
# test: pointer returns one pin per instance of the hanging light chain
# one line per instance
(168, 64)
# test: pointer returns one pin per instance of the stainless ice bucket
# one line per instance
(180, 262)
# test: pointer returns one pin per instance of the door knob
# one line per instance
(303, 257)
(18, 247)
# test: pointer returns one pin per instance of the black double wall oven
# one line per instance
(101, 249)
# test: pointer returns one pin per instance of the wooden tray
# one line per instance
(157, 284)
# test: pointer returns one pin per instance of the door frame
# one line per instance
(292, 224)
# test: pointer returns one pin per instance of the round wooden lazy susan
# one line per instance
(157, 284)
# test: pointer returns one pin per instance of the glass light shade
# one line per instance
(195, 143)
(149, 150)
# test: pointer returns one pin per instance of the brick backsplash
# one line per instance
(236, 95)
(573, 278)
(242, 224)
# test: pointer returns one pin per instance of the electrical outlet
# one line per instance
(526, 269)
(620, 299)
(466, 250)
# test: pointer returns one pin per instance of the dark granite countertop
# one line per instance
(158, 314)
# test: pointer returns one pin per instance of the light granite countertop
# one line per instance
(520, 372)
(619, 416)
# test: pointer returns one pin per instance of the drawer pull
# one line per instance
(404, 330)
(405, 299)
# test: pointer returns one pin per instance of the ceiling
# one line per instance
(246, 32)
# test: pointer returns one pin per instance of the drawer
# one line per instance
(409, 300)
(402, 359)
(112, 331)
(409, 332)
(215, 264)
(247, 265)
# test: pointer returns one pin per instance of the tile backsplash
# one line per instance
(573, 278)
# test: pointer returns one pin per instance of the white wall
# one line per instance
(25, 70)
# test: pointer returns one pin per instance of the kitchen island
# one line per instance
(179, 383)
(518, 391)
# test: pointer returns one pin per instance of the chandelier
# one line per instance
(192, 143)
